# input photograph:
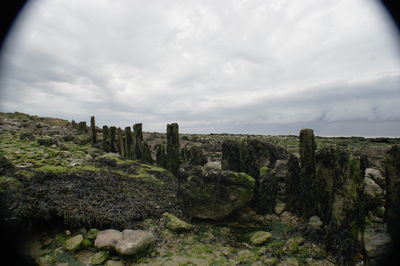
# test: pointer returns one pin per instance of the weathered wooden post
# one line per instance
(93, 139)
(121, 143)
(129, 147)
(146, 156)
(160, 157)
(74, 124)
(392, 175)
(82, 127)
(138, 140)
(113, 131)
(307, 172)
(106, 139)
(173, 160)
(230, 155)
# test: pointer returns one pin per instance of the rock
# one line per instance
(214, 194)
(290, 261)
(46, 141)
(371, 189)
(46, 260)
(260, 237)
(84, 256)
(315, 222)
(27, 136)
(375, 243)
(107, 238)
(92, 233)
(134, 241)
(81, 139)
(376, 175)
(292, 244)
(86, 243)
(279, 207)
(114, 263)
(73, 243)
(175, 224)
(288, 218)
(99, 257)
(129, 242)
(94, 152)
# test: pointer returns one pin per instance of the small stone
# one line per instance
(114, 263)
(375, 242)
(260, 237)
(175, 224)
(269, 261)
(289, 262)
(86, 243)
(73, 243)
(92, 233)
(315, 222)
(279, 207)
(99, 257)
(46, 260)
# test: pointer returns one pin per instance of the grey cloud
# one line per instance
(212, 66)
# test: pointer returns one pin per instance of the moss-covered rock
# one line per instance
(214, 194)
(99, 258)
(260, 237)
(175, 224)
(73, 243)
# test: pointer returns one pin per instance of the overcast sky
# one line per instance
(236, 66)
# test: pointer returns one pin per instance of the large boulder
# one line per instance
(214, 194)
(127, 242)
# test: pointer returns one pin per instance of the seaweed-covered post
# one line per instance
(392, 175)
(292, 182)
(146, 156)
(129, 148)
(307, 172)
(138, 140)
(173, 160)
(230, 155)
(82, 127)
(92, 131)
(74, 124)
(106, 139)
(112, 139)
(121, 143)
(160, 157)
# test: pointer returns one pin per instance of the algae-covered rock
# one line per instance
(214, 194)
(175, 224)
(99, 258)
(114, 263)
(73, 243)
(259, 238)
(92, 233)
(289, 261)
(315, 222)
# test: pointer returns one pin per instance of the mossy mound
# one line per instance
(90, 196)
